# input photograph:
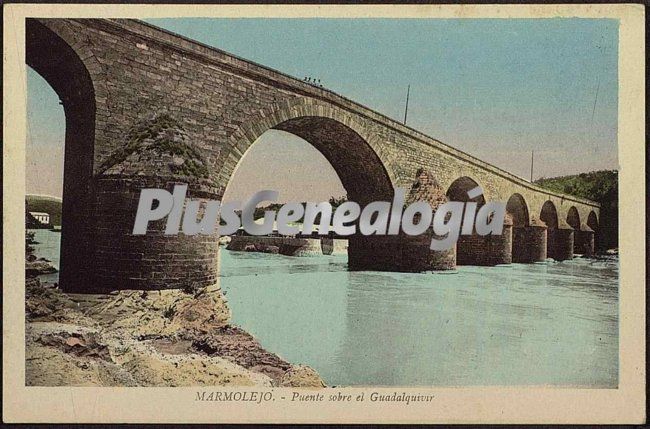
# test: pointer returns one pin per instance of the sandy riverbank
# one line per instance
(136, 338)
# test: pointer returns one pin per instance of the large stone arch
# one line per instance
(592, 220)
(583, 235)
(55, 57)
(342, 140)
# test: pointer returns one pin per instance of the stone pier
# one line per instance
(584, 240)
(560, 243)
(486, 250)
(530, 243)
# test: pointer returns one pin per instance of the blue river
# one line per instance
(548, 324)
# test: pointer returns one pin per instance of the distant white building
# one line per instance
(43, 218)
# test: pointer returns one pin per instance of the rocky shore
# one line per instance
(138, 338)
(35, 266)
(288, 246)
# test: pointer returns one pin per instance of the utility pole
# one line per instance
(406, 109)
(532, 163)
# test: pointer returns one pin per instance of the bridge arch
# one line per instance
(559, 241)
(457, 191)
(51, 54)
(518, 209)
(343, 142)
(475, 249)
(573, 218)
(582, 235)
(548, 215)
(592, 222)
(470, 249)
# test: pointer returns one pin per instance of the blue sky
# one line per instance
(494, 88)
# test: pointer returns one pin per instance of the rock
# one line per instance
(45, 303)
(47, 366)
(270, 249)
(138, 338)
(152, 368)
(73, 341)
(69, 338)
(145, 338)
(38, 267)
(225, 240)
(240, 347)
(32, 282)
(202, 314)
(63, 354)
(163, 313)
(60, 354)
(301, 376)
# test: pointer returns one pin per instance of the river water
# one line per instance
(49, 247)
(550, 324)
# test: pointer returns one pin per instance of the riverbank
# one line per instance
(136, 338)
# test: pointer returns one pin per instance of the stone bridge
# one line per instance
(148, 108)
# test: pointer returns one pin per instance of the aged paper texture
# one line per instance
(482, 259)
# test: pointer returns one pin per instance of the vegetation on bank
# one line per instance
(600, 186)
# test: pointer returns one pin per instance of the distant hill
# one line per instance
(600, 186)
(46, 204)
